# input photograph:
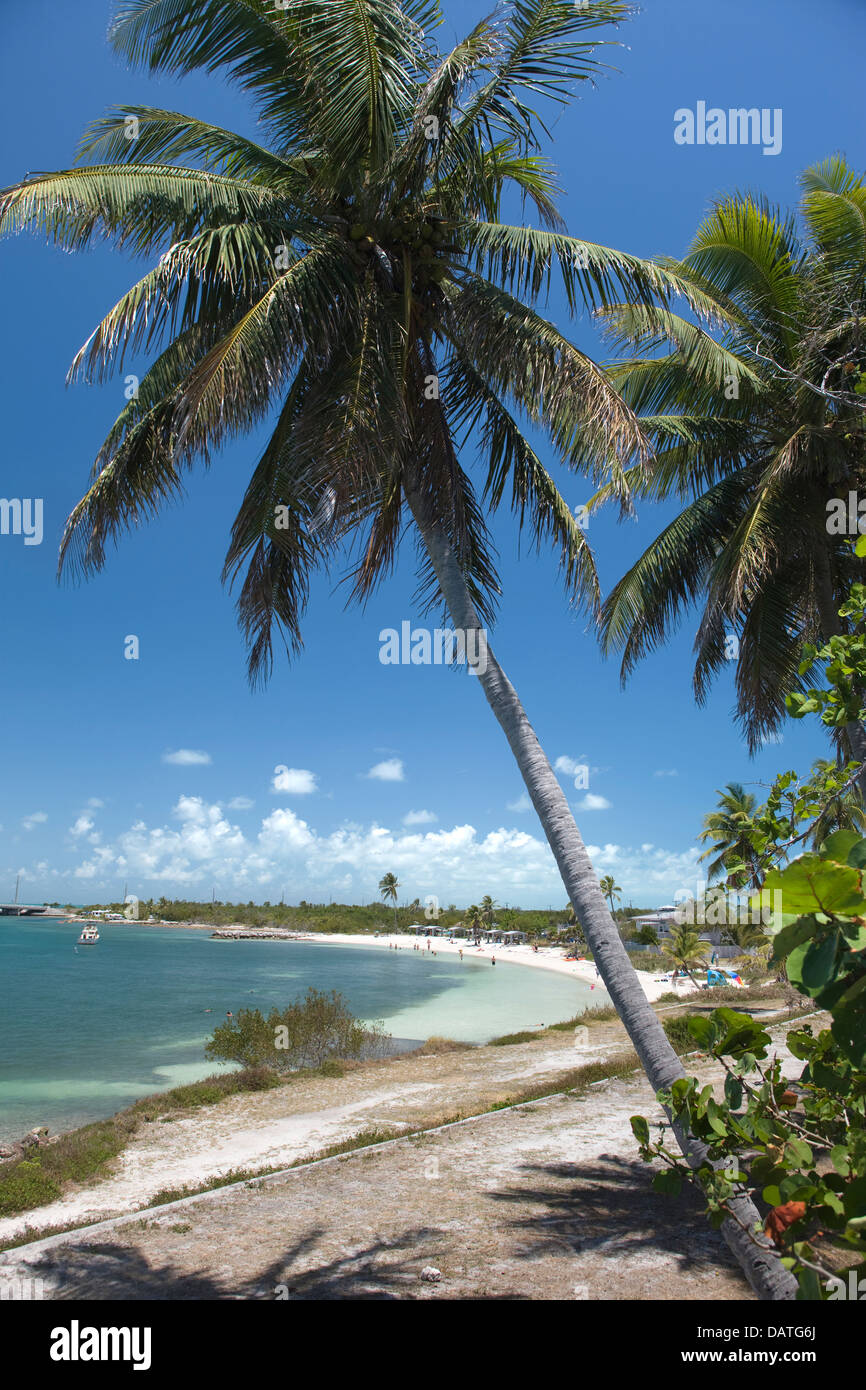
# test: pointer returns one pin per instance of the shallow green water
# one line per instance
(85, 1031)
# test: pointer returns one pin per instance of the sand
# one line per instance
(655, 983)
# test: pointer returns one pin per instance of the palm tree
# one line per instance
(610, 888)
(729, 831)
(487, 909)
(756, 412)
(844, 812)
(474, 920)
(354, 275)
(684, 949)
(747, 936)
(388, 886)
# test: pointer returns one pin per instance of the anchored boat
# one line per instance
(89, 935)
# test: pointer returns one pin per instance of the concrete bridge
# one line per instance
(28, 910)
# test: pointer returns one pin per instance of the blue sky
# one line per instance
(98, 786)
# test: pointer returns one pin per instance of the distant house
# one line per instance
(513, 938)
(661, 921)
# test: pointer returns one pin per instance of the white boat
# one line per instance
(89, 935)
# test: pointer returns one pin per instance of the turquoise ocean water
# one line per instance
(85, 1031)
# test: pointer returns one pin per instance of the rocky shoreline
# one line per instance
(257, 934)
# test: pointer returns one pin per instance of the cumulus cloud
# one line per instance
(82, 826)
(187, 757)
(201, 846)
(419, 818)
(298, 781)
(391, 770)
(576, 768)
(37, 818)
(567, 765)
(591, 802)
(240, 803)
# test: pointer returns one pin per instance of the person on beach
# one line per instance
(492, 960)
(460, 952)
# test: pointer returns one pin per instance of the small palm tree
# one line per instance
(474, 920)
(487, 908)
(729, 832)
(747, 936)
(611, 889)
(684, 949)
(388, 886)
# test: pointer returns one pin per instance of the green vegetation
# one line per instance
(85, 1154)
(800, 1143)
(610, 888)
(755, 407)
(588, 1016)
(679, 1033)
(311, 1032)
(543, 923)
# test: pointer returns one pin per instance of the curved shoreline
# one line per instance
(545, 958)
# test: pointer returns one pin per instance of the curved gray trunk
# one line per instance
(761, 1265)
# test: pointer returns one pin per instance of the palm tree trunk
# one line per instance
(760, 1264)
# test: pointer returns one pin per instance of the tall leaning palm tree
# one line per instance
(354, 276)
(756, 407)
(388, 886)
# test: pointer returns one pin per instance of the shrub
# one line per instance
(679, 1035)
(306, 1034)
(26, 1186)
(509, 1039)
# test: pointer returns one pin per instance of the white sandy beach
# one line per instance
(655, 983)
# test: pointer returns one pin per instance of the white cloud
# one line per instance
(298, 781)
(591, 802)
(240, 803)
(201, 847)
(419, 818)
(567, 765)
(94, 803)
(666, 772)
(82, 826)
(37, 818)
(576, 768)
(187, 757)
(391, 770)
(522, 803)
